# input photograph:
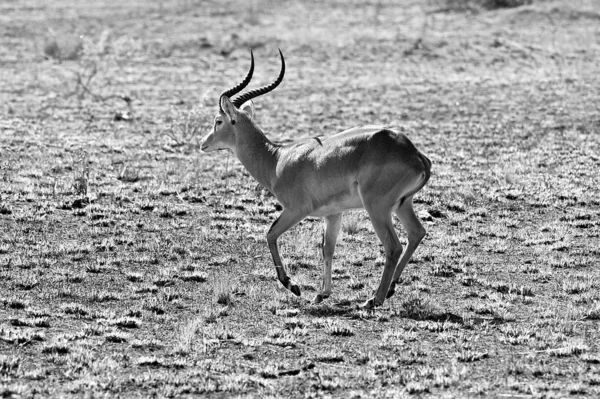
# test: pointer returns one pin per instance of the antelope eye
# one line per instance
(218, 122)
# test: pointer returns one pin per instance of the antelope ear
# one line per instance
(229, 109)
(248, 108)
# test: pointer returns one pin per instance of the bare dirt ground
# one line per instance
(132, 265)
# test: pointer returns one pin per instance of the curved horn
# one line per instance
(236, 89)
(262, 90)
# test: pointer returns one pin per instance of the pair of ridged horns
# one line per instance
(241, 99)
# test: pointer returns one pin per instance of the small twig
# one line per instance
(79, 80)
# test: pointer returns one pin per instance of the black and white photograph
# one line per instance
(300, 199)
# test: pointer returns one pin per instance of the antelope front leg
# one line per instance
(330, 235)
(286, 221)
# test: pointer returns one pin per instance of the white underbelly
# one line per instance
(338, 206)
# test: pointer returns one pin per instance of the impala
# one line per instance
(370, 167)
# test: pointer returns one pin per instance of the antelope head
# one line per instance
(235, 115)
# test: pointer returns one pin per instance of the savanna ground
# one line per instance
(132, 265)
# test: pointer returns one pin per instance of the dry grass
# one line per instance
(132, 265)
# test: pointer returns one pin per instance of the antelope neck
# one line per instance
(258, 155)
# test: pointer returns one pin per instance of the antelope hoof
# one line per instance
(294, 288)
(391, 291)
(370, 304)
(320, 298)
(291, 286)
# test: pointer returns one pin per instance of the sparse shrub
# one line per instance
(517, 334)
(211, 317)
(577, 285)
(592, 358)
(287, 312)
(351, 223)
(134, 277)
(170, 295)
(74, 278)
(416, 387)
(293, 323)
(593, 313)
(469, 280)
(147, 288)
(102, 296)
(442, 270)
(147, 206)
(198, 277)
(129, 174)
(135, 312)
(270, 371)
(439, 326)
(9, 365)
(116, 337)
(151, 361)
(15, 303)
(75, 309)
(166, 213)
(500, 286)
(285, 342)
(468, 355)
(225, 334)
(155, 306)
(56, 348)
(38, 313)
(474, 5)
(93, 330)
(571, 348)
(456, 206)
(493, 4)
(223, 290)
(479, 212)
(94, 268)
(335, 327)
(62, 48)
(184, 127)
(81, 178)
(127, 322)
(186, 336)
(330, 356)
(418, 307)
(355, 284)
(31, 322)
(189, 267)
(51, 49)
(21, 336)
(280, 338)
(27, 283)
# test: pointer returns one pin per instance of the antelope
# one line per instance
(370, 167)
